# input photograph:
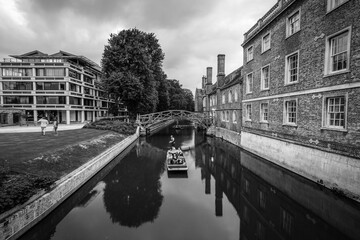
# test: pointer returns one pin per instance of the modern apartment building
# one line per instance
(301, 95)
(61, 85)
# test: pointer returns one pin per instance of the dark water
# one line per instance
(226, 194)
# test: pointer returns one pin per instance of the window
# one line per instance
(265, 77)
(227, 116)
(337, 52)
(265, 42)
(223, 116)
(262, 199)
(249, 83)
(235, 96)
(234, 117)
(250, 53)
(260, 231)
(335, 112)
(293, 23)
(223, 98)
(292, 68)
(246, 214)
(230, 96)
(17, 85)
(248, 112)
(18, 100)
(17, 72)
(247, 186)
(290, 112)
(264, 112)
(287, 221)
(332, 4)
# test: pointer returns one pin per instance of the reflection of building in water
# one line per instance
(222, 162)
(266, 212)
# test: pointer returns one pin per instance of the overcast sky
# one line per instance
(191, 32)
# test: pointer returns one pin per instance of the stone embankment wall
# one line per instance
(334, 171)
(12, 226)
(335, 211)
(225, 134)
(338, 172)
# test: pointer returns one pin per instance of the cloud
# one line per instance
(191, 33)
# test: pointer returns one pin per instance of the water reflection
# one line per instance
(132, 194)
(266, 197)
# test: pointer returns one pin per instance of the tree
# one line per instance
(189, 100)
(132, 69)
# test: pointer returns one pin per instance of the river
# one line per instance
(227, 193)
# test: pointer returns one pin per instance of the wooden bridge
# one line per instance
(201, 119)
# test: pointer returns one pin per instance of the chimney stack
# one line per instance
(209, 75)
(221, 69)
(203, 83)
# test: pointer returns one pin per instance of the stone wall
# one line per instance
(15, 224)
(335, 171)
(225, 134)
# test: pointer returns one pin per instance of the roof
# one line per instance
(61, 54)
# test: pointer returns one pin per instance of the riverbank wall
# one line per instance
(156, 127)
(337, 211)
(15, 224)
(225, 134)
(335, 171)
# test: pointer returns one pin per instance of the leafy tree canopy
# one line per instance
(133, 74)
(132, 69)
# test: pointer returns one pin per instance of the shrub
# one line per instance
(113, 125)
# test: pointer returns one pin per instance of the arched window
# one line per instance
(235, 96)
(234, 117)
(223, 98)
(230, 96)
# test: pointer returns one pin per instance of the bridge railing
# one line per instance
(203, 119)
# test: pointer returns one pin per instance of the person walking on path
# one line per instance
(43, 124)
(55, 124)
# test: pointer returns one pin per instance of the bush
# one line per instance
(113, 125)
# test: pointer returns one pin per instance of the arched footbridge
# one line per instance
(201, 119)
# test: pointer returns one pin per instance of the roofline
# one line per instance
(260, 25)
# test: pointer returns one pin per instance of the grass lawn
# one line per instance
(30, 162)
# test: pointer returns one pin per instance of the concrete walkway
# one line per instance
(18, 129)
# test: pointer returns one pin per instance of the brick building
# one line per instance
(222, 100)
(62, 85)
(301, 93)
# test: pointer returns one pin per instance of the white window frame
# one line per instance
(265, 48)
(287, 66)
(248, 90)
(328, 60)
(325, 111)
(263, 79)
(332, 4)
(234, 116)
(262, 119)
(249, 56)
(248, 114)
(286, 115)
(230, 96)
(289, 24)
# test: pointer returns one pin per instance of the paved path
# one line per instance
(18, 129)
